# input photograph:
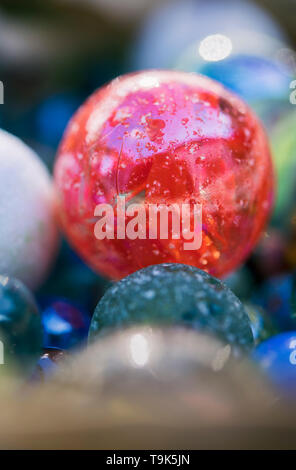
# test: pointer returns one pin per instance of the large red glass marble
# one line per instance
(165, 137)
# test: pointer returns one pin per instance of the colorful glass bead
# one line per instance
(277, 358)
(261, 324)
(174, 294)
(20, 325)
(28, 233)
(65, 325)
(165, 137)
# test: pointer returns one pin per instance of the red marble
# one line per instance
(164, 137)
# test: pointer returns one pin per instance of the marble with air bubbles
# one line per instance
(164, 138)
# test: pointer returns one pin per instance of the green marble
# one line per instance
(174, 294)
(283, 142)
(20, 325)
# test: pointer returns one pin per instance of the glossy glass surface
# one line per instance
(65, 325)
(165, 137)
(277, 358)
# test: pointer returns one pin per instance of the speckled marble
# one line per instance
(174, 294)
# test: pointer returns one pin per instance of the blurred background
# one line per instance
(54, 54)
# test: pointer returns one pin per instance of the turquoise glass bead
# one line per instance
(174, 294)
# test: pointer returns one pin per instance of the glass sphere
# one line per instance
(277, 358)
(164, 139)
(65, 324)
(174, 294)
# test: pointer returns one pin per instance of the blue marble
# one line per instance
(65, 325)
(277, 358)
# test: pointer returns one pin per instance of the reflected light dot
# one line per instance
(215, 47)
(139, 350)
(149, 82)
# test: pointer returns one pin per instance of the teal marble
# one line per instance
(174, 294)
(20, 325)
